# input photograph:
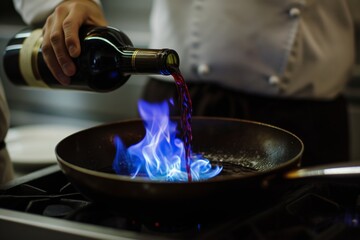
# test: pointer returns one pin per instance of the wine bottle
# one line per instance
(107, 60)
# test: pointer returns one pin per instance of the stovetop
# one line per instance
(44, 205)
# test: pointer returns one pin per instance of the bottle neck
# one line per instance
(149, 61)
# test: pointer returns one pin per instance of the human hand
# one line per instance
(60, 35)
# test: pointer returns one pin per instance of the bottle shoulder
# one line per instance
(110, 34)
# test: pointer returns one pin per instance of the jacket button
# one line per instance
(203, 69)
(274, 80)
(294, 12)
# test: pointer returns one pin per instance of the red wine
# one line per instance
(106, 62)
(186, 112)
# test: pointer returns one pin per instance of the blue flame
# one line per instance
(160, 155)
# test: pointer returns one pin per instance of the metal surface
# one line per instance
(309, 211)
(15, 224)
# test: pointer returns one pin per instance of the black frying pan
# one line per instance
(258, 151)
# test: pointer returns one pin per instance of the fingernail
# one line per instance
(72, 50)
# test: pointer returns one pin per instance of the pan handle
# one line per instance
(344, 171)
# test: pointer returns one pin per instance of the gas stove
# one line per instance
(44, 205)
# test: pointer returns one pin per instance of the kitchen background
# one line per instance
(84, 109)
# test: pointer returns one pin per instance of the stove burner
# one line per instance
(59, 208)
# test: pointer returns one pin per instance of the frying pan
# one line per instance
(254, 156)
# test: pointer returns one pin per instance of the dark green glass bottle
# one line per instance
(107, 60)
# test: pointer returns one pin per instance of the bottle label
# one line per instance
(28, 59)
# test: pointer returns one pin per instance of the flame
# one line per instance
(160, 155)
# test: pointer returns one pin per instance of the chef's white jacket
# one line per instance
(282, 47)
(285, 48)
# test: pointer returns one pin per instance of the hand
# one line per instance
(61, 40)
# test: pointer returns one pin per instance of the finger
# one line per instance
(81, 13)
(71, 26)
(58, 44)
(49, 55)
(53, 65)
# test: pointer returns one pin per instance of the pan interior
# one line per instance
(241, 147)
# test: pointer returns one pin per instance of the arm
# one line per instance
(60, 31)
(36, 11)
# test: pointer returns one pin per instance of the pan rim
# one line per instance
(278, 168)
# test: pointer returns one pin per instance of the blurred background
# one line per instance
(84, 109)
